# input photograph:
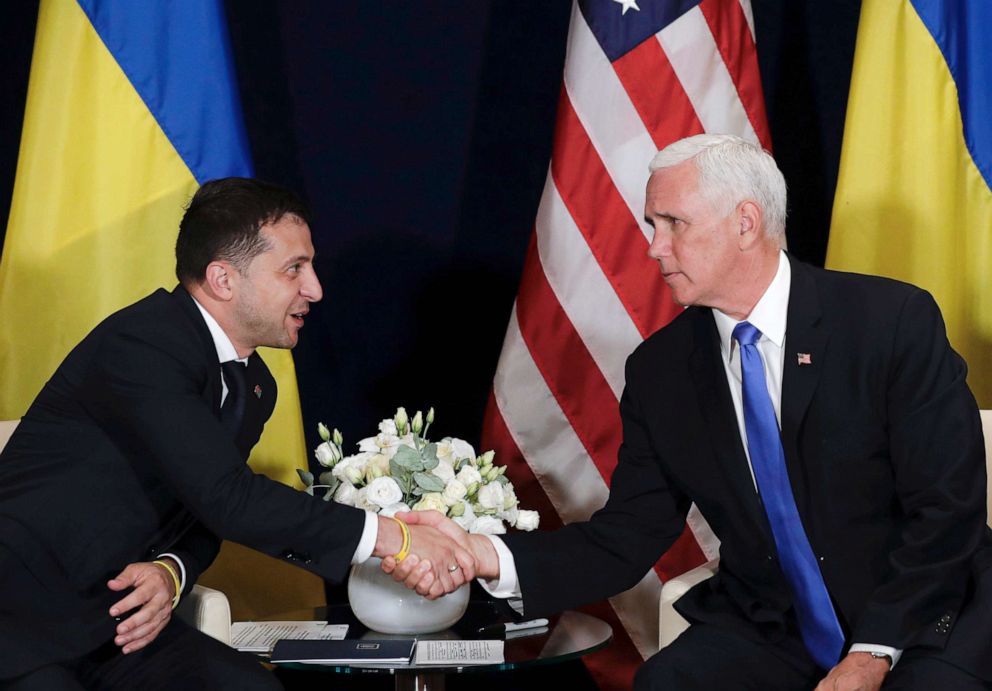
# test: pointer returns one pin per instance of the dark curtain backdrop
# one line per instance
(420, 133)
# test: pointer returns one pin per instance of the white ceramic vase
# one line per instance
(386, 606)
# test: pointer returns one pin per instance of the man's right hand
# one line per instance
(442, 564)
(413, 574)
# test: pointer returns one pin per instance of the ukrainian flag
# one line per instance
(914, 195)
(130, 107)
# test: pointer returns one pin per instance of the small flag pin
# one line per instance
(258, 389)
(804, 359)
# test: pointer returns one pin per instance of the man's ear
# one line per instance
(749, 220)
(219, 280)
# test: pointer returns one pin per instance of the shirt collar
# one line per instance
(768, 316)
(225, 349)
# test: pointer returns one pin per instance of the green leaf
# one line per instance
(306, 476)
(309, 490)
(329, 494)
(408, 458)
(428, 482)
(503, 479)
(327, 478)
(417, 492)
(431, 462)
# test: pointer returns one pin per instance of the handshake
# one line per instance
(432, 554)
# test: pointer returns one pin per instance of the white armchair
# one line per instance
(671, 624)
(204, 608)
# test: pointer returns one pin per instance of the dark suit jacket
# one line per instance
(884, 448)
(121, 457)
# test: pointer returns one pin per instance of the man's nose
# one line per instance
(661, 244)
(311, 289)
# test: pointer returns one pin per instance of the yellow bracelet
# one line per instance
(405, 548)
(175, 579)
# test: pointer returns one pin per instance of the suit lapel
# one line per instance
(717, 412)
(806, 343)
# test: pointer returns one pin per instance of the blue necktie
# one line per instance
(818, 623)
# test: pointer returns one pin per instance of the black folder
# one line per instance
(348, 651)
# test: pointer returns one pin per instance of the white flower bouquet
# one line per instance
(399, 469)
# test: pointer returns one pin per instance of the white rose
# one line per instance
(467, 519)
(454, 491)
(384, 491)
(488, 525)
(444, 471)
(509, 497)
(378, 466)
(362, 502)
(453, 450)
(352, 468)
(509, 515)
(388, 427)
(394, 509)
(527, 520)
(368, 445)
(468, 475)
(345, 494)
(491, 496)
(327, 454)
(432, 501)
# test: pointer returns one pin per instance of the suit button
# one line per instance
(289, 555)
(946, 619)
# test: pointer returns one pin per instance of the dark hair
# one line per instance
(223, 220)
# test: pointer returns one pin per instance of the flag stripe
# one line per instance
(189, 86)
(645, 72)
(582, 290)
(608, 118)
(543, 434)
(736, 45)
(696, 60)
(558, 352)
(592, 200)
(589, 293)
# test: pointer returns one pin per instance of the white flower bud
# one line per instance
(402, 420)
(325, 434)
(418, 423)
(337, 438)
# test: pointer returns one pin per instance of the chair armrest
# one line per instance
(670, 622)
(207, 610)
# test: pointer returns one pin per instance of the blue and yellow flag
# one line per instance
(130, 107)
(914, 195)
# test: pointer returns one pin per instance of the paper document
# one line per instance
(459, 652)
(260, 636)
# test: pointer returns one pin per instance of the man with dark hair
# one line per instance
(130, 464)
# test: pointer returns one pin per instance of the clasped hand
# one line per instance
(443, 556)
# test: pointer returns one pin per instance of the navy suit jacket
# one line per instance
(122, 457)
(885, 453)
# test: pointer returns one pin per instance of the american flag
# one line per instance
(639, 74)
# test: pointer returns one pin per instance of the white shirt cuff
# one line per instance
(507, 585)
(370, 533)
(894, 653)
(182, 570)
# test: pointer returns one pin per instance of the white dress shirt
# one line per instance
(769, 317)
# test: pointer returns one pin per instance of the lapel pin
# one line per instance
(258, 389)
(805, 359)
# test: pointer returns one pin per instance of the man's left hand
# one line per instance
(856, 672)
(153, 593)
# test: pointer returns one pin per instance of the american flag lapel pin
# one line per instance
(258, 389)
(805, 359)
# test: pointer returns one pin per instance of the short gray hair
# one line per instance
(731, 170)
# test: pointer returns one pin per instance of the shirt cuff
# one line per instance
(507, 585)
(894, 653)
(370, 533)
(182, 570)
